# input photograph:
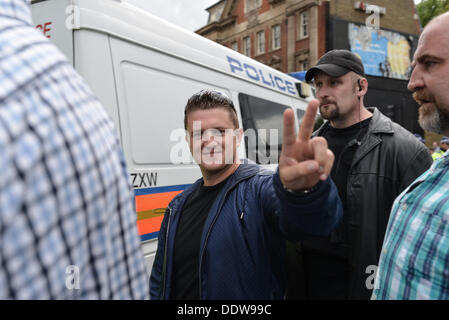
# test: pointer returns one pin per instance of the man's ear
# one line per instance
(363, 87)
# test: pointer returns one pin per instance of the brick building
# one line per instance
(291, 35)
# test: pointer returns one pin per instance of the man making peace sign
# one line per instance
(224, 237)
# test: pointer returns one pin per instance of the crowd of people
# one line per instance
(359, 197)
(437, 149)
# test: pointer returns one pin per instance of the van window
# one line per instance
(262, 125)
(318, 119)
(300, 114)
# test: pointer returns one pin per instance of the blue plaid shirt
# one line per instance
(67, 219)
(414, 263)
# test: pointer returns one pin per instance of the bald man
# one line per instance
(414, 263)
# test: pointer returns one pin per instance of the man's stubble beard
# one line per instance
(333, 112)
(435, 122)
(431, 118)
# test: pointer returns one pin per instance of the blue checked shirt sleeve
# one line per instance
(67, 218)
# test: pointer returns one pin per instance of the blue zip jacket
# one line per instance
(242, 252)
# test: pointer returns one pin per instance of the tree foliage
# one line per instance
(428, 9)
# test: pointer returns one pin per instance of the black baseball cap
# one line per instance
(337, 63)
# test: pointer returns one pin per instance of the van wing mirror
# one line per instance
(304, 89)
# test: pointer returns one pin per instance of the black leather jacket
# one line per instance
(388, 159)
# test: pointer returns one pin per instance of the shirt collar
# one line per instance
(16, 9)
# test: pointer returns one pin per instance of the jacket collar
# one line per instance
(378, 124)
(244, 171)
(16, 9)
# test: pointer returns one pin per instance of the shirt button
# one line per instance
(404, 206)
(374, 297)
(384, 251)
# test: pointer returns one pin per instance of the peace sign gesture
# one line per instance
(304, 161)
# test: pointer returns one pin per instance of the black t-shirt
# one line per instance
(327, 268)
(343, 144)
(187, 241)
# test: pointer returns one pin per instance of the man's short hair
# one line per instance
(210, 99)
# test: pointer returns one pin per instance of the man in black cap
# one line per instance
(375, 159)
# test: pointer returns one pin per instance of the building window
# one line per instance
(304, 65)
(235, 46)
(304, 25)
(215, 13)
(276, 37)
(247, 46)
(252, 5)
(261, 42)
(302, 60)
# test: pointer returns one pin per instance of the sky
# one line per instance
(189, 14)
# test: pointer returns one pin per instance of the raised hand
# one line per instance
(304, 161)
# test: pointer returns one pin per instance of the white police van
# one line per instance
(143, 70)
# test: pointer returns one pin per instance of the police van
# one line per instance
(143, 70)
